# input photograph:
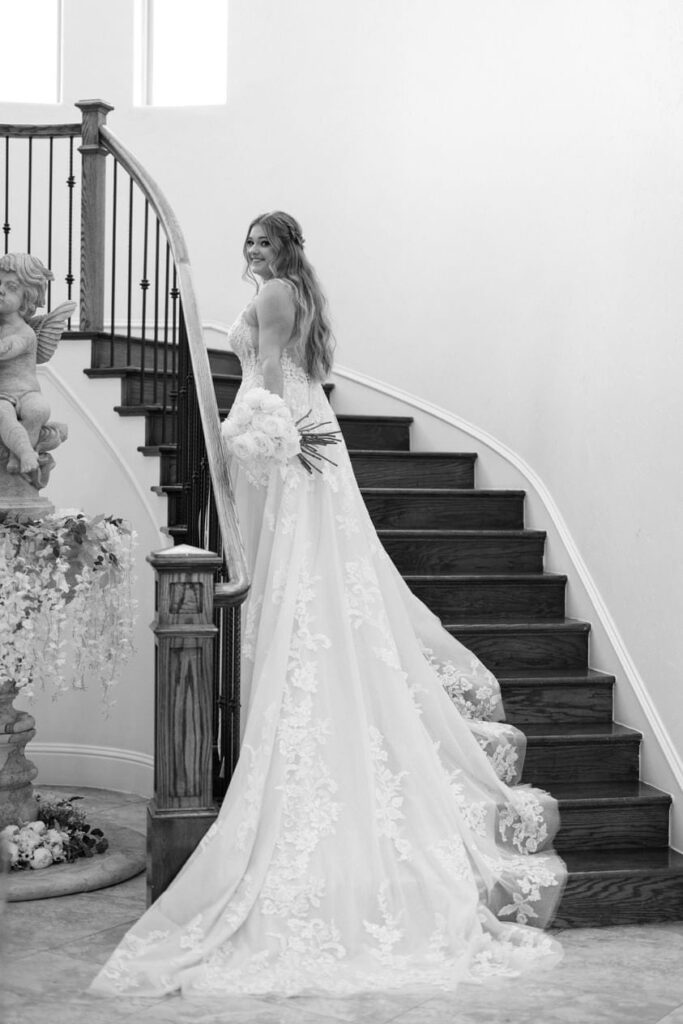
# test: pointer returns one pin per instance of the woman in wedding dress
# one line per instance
(372, 835)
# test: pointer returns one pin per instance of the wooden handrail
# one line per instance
(235, 589)
(40, 131)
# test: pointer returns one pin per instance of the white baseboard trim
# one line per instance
(69, 764)
(630, 671)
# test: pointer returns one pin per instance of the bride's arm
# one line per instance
(275, 315)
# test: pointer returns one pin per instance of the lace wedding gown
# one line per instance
(372, 836)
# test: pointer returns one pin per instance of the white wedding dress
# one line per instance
(372, 835)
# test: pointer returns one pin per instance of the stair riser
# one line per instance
(620, 898)
(150, 392)
(546, 765)
(424, 554)
(478, 600)
(575, 702)
(383, 471)
(626, 826)
(511, 652)
(375, 435)
(454, 511)
(371, 434)
(168, 469)
(101, 356)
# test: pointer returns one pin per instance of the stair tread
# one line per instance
(455, 534)
(410, 455)
(522, 577)
(574, 794)
(460, 491)
(169, 448)
(555, 676)
(661, 859)
(611, 732)
(575, 625)
(362, 418)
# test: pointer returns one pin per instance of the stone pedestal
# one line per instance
(19, 496)
(17, 728)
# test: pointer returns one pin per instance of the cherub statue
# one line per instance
(25, 340)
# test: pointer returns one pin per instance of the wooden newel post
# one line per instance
(93, 208)
(183, 806)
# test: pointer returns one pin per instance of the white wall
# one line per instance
(492, 194)
(99, 470)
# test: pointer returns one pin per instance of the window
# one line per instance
(30, 65)
(182, 53)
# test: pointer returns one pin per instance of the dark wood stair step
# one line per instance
(492, 597)
(621, 887)
(158, 389)
(582, 752)
(511, 646)
(477, 551)
(413, 469)
(444, 508)
(559, 696)
(376, 431)
(610, 815)
(383, 433)
(105, 355)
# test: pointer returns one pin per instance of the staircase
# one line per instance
(466, 553)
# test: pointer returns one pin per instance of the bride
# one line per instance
(372, 835)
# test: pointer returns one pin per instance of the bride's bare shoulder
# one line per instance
(274, 298)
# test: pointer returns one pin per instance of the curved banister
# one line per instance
(234, 590)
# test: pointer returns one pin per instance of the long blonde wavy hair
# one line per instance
(314, 342)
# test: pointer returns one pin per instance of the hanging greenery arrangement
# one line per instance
(66, 598)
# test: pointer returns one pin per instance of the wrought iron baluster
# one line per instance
(144, 285)
(175, 359)
(130, 272)
(70, 181)
(165, 395)
(114, 225)
(29, 197)
(155, 336)
(6, 226)
(49, 216)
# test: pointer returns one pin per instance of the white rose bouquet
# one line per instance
(261, 432)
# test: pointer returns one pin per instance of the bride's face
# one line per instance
(260, 252)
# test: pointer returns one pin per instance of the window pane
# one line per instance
(29, 65)
(187, 52)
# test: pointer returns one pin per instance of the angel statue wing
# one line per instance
(49, 329)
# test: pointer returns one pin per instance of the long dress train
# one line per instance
(372, 835)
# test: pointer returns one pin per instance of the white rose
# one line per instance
(42, 858)
(265, 447)
(271, 425)
(29, 841)
(12, 852)
(241, 414)
(257, 420)
(243, 448)
(230, 428)
(10, 832)
(271, 402)
(37, 826)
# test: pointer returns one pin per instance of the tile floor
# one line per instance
(51, 949)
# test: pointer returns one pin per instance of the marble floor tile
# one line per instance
(675, 1017)
(368, 1008)
(51, 949)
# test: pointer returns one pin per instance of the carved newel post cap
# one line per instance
(184, 556)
